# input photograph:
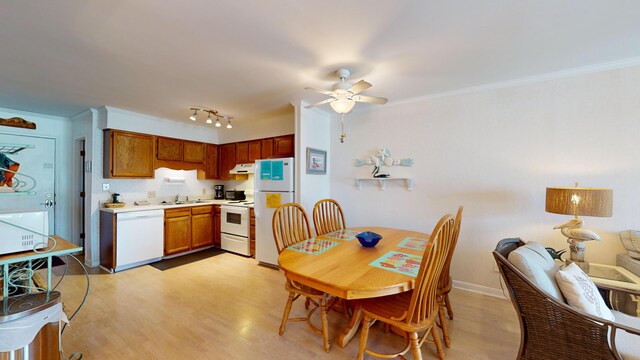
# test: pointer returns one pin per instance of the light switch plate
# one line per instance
(204, 191)
(151, 194)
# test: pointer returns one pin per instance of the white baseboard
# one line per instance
(485, 290)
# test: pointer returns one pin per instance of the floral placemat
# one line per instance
(313, 246)
(414, 243)
(342, 234)
(399, 262)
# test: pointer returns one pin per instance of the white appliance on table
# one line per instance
(234, 228)
(274, 185)
(140, 237)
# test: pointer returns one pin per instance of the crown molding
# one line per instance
(612, 65)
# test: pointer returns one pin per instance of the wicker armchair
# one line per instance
(551, 329)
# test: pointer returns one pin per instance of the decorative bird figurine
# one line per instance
(572, 230)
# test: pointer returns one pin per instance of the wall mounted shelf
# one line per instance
(382, 182)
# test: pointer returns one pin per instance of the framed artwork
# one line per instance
(316, 161)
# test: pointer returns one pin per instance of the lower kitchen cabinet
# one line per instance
(177, 231)
(217, 241)
(252, 233)
(201, 226)
(188, 229)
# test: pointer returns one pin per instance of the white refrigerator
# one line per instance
(274, 185)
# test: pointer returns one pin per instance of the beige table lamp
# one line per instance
(578, 201)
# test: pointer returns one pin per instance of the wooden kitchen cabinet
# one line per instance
(226, 160)
(193, 151)
(255, 150)
(252, 233)
(169, 149)
(201, 226)
(242, 152)
(127, 155)
(217, 241)
(211, 162)
(266, 148)
(283, 146)
(177, 230)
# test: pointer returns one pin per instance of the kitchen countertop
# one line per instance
(132, 207)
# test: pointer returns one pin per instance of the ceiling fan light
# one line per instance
(193, 116)
(218, 122)
(342, 106)
(229, 124)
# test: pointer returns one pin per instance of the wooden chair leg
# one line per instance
(287, 310)
(415, 346)
(306, 303)
(364, 334)
(325, 323)
(448, 304)
(436, 340)
(443, 325)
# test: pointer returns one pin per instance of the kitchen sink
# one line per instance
(184, 202)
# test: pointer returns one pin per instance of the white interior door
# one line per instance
(27, 174)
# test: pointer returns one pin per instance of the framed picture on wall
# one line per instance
(316, 161)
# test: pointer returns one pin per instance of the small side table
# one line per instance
(622, 286)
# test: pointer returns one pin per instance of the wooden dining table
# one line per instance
(338, 265)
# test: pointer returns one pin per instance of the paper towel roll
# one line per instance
(175, 180)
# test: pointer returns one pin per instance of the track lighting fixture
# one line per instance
(211, 113)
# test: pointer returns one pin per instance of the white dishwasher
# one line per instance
(139, 238)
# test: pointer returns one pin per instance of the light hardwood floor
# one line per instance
(227, 307)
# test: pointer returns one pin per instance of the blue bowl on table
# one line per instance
(368, 238)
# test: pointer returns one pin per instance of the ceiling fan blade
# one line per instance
(319, 103)
(359, 86)
(326, 92)
(369, 99)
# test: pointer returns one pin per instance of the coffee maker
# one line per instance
(218, 192)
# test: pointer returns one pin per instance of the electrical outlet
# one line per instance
(204, 191)
(151, 194)
(105, 187)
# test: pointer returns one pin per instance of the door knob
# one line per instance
(47, 203)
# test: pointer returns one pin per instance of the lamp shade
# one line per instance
(579, 201)
(342, 106)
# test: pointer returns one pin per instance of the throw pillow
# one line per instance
(581, 292)
(536, 264)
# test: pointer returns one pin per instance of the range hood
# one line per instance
(248, 168)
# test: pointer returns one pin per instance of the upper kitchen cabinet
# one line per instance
(242, 152)
(169, 149)
(283, 146)
(211, 162)
(127, 155)
(193, 151)
(179, 154)
(226, 160)
(266, 148)
(255, 150)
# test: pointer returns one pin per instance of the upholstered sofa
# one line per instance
(550, 327)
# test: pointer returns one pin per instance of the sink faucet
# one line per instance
(177, 197)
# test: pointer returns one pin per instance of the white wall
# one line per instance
(58, 128)
(269, 125)
(494, 151)
(313, 130)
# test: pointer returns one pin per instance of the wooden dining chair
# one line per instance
(416, 310)
(291, 226)
(445, 282)
(327, 216)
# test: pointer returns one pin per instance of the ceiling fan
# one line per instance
(344, 95)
